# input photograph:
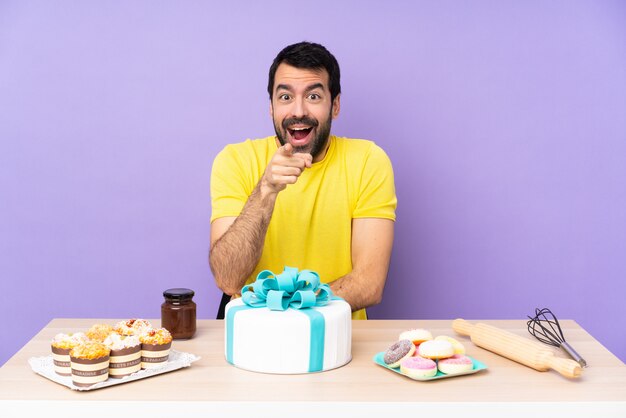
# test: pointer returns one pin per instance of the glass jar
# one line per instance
(178, 313)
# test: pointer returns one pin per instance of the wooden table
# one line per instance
(361, 387)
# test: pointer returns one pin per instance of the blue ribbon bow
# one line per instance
(289, 289)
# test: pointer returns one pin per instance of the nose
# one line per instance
(299, 108)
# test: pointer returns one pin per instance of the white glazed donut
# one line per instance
(417, 336)
(436, 349)
(458, 347)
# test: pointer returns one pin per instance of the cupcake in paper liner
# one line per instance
(155, 348)
(61, 345)
(125, 356)
(90, 363)
(133, 327)
(99, 332)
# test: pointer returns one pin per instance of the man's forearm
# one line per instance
(355, 293)
(372, 241)
(236, 253)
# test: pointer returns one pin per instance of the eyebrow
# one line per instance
(309, 88)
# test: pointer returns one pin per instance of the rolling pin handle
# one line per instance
(566, 367)
(462, 327)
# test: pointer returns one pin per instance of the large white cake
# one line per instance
(291, 341)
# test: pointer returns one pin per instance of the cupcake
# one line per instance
(99, 332)
(61, 345)
(90, 363)
(132, 327)
(155, 348)
(125, 356)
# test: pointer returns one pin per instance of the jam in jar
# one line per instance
(178, 313)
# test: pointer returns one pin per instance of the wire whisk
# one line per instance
(545, 327)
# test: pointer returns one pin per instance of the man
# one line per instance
(304, 198)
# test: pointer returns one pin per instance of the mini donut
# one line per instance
(418, 367)
(436, 349)
(458, 363)
(397, 352)
(458, 347)
(416, 353)
(417, 335)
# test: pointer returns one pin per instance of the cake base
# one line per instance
(294, 341)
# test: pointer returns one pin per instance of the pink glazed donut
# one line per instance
(458, 363)
(397, 352)
(418, 367)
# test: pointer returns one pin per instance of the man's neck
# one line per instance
(320, 156)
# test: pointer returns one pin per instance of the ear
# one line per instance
(336, 106)
(271, 110)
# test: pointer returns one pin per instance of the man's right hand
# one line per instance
(284, 168)
(237, 242)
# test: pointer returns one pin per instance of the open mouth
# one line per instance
(300, 134)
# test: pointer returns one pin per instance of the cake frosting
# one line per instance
(118, 342)
(264, 340)
(133, 326)
(99, 332)
(68, 341)
(288, 323)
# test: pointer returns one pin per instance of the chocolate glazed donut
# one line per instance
(397, 352)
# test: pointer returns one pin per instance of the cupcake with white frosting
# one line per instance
(61, 345)
(125, 356)
(155, 348)
(90, 363)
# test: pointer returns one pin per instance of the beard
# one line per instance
(317, 145)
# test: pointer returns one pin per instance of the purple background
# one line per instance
(505, 122)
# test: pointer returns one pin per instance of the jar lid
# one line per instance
(178, 293)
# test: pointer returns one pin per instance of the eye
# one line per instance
(314, 96)
(283, 97)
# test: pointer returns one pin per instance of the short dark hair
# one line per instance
(311, 56)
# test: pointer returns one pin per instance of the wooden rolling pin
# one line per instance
(514, 347)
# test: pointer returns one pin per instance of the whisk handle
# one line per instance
(570, 350)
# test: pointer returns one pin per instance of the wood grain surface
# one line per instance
(212, 379)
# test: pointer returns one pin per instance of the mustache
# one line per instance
(287, 123)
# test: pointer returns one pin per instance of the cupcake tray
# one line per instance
(45, 367)
(478, 366)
